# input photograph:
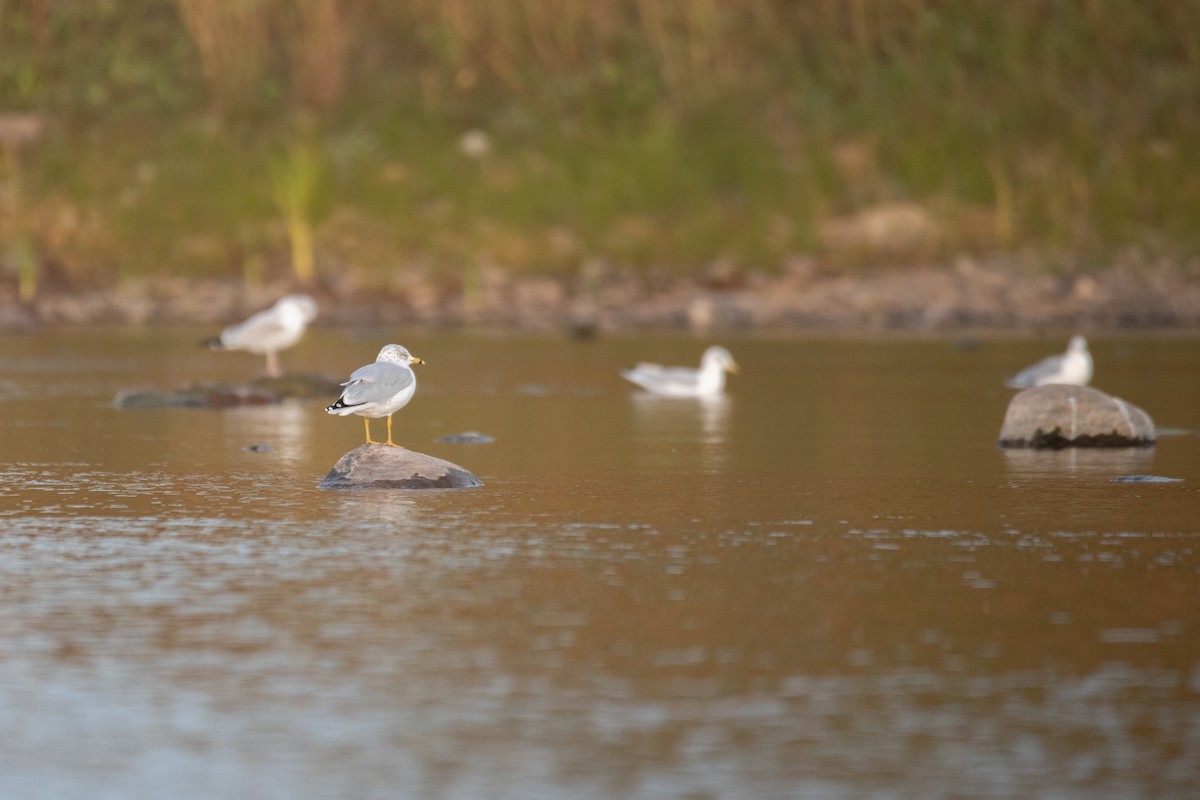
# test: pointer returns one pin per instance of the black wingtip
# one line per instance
(340, 404)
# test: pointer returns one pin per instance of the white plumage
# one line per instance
(380, 389)
(708, 381)
(277, 328)
(1072, 367)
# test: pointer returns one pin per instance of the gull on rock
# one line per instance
(1073, 367)
(708, 381)
(380, 389)
(277, 328)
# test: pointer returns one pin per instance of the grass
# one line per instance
(652, 133)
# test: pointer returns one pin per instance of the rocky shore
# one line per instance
(802, 296)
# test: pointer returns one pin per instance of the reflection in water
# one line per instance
(383, 510)
(702, 422)
(286, 428)
(1106, 462)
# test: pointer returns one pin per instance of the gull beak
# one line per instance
(415, 360)
(733, 367)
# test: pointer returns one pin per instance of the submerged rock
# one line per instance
(1145, 479)
(301, 386)
(377, 466)
(200, 395)
(1057, 416)
(469, 437)
(259, 392)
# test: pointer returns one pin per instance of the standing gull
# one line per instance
(708, 381)
(380, 389)
(1072, 367)
(277, 328)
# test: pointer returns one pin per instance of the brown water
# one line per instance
(830, 584)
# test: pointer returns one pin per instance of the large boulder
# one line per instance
(378, 466)
(1057, 416)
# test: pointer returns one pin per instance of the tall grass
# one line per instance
(231, 40)
(651, 132)
(294, 182)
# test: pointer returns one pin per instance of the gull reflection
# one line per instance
(676, 421)
(286, 428)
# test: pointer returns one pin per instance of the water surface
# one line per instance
(829, 584)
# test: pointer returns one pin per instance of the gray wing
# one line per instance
(265, 326)
(1030, 376)
(655, 377)
(376, 383)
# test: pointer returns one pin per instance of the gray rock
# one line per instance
(1145, 479)
(470, 437)
(201, 395)
(300, 386)
(259, 392)
(1057, 416)
(377, 466)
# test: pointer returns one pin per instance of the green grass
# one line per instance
(657, 134)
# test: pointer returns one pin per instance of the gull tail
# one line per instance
(339, 404)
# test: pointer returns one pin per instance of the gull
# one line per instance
(277, 328)
(708, 381)
(379, 390)
(1072, 367)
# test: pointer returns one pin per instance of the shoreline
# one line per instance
(967, 297)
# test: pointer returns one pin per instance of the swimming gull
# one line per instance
(1072, 367)
(380, 389)
(708, 381)
(277, 328)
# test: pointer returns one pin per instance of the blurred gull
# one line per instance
(277, 328)
(380, 389)
(1072, 367)
(708, 381)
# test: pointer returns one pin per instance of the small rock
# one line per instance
(377, 466)
(1057, 416)
(1145, 479)
(17, 318)
(470, 437)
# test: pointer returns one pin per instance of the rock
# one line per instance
(17, 318)
(1057, 416)
(259, 392)
(201, 395)
(470, 437)
(301, 385)
(1145, 479)
(377, 466)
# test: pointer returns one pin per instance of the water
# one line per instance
(830, 584)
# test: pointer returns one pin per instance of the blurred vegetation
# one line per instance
(536, 135)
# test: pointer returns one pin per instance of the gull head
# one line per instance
(1078, 344)
(395, 354)
(718, 358)
(298, 306)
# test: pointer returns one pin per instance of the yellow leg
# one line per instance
(367, 427)
(389, 441)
